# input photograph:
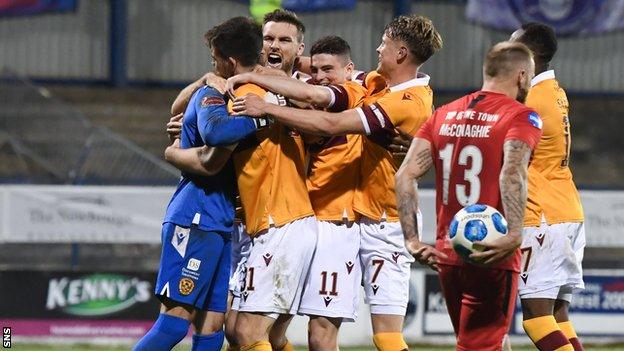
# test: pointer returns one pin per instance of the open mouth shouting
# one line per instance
(274, 60)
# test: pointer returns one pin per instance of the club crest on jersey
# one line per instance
(186, 286)
(535, 120)
(212, 100)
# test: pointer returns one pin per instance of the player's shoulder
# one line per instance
(249, 88)
(208, 96)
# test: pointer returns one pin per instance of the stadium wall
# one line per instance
(62, 46)
(165, 44)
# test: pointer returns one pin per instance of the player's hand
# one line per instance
(400, 143)
(250, 105)
(212, 80)
(169, 151)
(174, 127)
(497, 250)
(424, 254)
(235, 81)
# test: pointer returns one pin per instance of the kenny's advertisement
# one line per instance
(80, 304)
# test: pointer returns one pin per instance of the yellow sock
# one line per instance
(546, 335)
(287, 347)
(568, 330)
(263, 345)
(389, 342)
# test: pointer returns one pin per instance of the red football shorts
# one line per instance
(480, 302)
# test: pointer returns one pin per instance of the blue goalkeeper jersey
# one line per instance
(208, 202)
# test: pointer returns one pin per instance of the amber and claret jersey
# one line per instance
(467, 137)
(335, 161)
(405, 106)
(552, 193)
(270, 173)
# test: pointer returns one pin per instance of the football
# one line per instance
(475, 223)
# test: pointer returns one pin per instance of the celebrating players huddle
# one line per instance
(314, 163)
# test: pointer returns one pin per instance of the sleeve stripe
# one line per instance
(340, 98)
(333, 97)
(364, 120)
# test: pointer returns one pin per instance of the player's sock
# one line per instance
(263, 345)
(389, 342)
(167, 332)
(287, 347)
(210, 342)
(546, 335)
(568, 330)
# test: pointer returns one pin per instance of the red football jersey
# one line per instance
(467, 137)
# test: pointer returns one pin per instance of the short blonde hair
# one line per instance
(504, 57)
(418, 33)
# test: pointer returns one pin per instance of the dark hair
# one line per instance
(332, 45)
(418, 33)
(285, 16)
(541, 39)
(504, 58)
(238, 37)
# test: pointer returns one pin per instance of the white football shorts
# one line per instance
(333, 285)
(241, 245)
(277, 268)
(385, 265)
(551, 261)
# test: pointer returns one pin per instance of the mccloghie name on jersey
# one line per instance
(465, 130)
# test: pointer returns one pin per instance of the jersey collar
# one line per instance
(550, 74)
(421, 80)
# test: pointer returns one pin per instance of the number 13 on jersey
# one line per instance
(471, 157)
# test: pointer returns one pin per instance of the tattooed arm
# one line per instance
(416, 164)
(513, 188)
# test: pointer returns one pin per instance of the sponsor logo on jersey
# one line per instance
(186, 286)
(267, 258)
(96, 294)
(395, 257)
(327, 300)
(535, 120)
(524, 277)
(540, 238)
(180, 239)
(349, 266)
(375, 288)
(212, 100)
(193, 264)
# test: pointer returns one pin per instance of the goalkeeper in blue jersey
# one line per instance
(194, 269)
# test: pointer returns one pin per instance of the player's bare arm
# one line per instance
(308, 121)
(204, 161)
(513, 188)
(289, 87)
(417, 162)
(183, 98)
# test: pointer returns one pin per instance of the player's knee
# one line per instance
(208, 323)
(247, 332)
(533, 308)
(230, 330)
(323, 333)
